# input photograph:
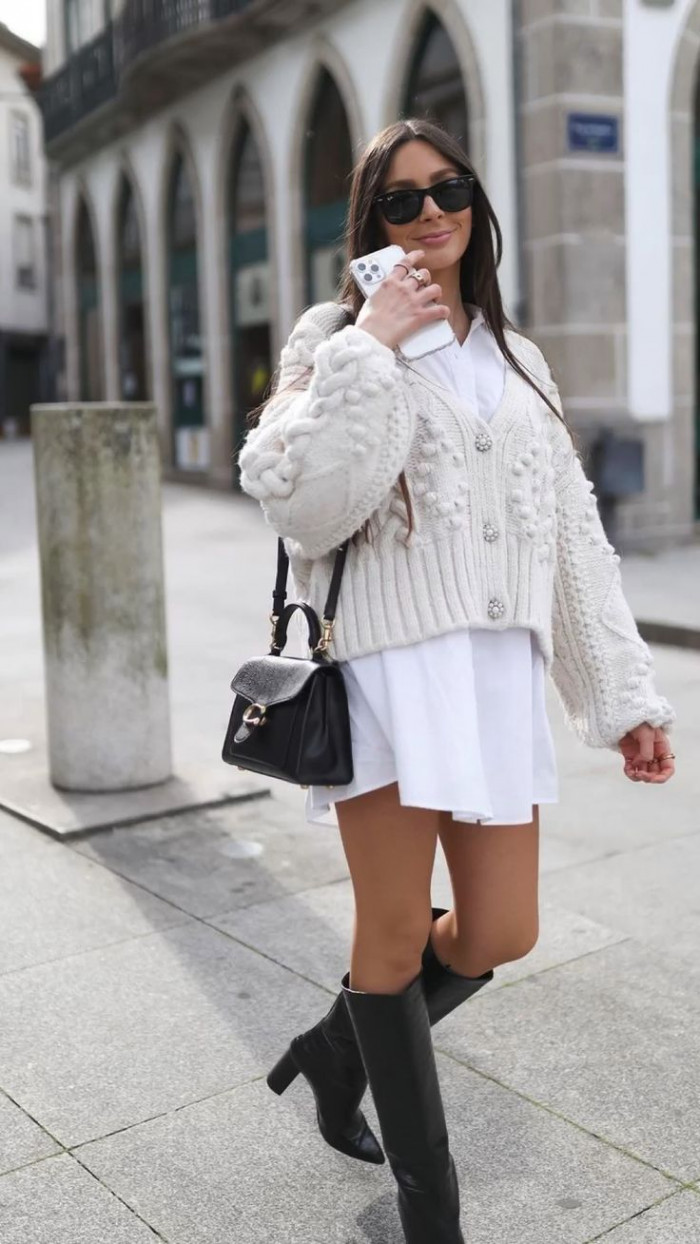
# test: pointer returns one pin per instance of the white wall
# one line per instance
(20, 310)
(651, 41)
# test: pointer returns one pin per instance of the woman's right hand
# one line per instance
(401, 305)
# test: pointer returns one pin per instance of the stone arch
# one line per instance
(321, 55)
(684, 240)
(456, 24)
(126, 173)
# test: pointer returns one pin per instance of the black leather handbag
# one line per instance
(290, 715)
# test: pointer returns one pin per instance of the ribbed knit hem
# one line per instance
(436, 593)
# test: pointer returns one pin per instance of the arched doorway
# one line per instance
(249, 282)
(132, 348)
(327, 169)
(89, 318)
(434, 85)
(190, 434)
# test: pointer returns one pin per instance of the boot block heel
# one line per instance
(282, 1073)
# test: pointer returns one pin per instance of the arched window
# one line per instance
(435, 88)
(191, 446)
(328, 167)
(132, 348)
(249, 281)
(89, 318)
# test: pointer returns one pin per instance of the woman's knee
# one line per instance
(394, 939)
(509, 947)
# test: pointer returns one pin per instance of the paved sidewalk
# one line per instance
(150, 976)
(663, 590)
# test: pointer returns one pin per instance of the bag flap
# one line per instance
(270, 680)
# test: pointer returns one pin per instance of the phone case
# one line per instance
(369, 271)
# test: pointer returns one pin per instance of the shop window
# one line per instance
(25, 256)
(20, 149)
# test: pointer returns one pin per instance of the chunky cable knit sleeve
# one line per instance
(321, 460)
(602, 668)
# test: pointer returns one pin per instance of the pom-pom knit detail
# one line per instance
(506, 529)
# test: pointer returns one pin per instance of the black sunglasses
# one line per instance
(401, 206)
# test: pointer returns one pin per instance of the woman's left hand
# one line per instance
(643, 749)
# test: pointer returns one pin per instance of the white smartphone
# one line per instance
(368, 274)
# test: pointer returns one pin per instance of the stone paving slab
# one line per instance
(55, 903)
(26, 792)
(675, 1221)
(108, 1038)
(322, 920)
(250, 1167)
(21, 1139)
(664, 586)
(651, 894)
(605, 817)
(16, 837)
(58, 1202)
(225, 858)
(610, 1040)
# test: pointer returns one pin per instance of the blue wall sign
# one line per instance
(593, 132)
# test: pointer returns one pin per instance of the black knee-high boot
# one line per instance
(393, 1034)
(327, 1055)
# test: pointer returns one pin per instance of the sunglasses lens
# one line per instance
(401, 207)
(454, 196)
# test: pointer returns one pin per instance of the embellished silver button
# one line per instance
(496, 608)
(490, 532)
(483, 441)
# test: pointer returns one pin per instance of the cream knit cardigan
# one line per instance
(506, 526)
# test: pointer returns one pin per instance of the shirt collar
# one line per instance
(475, 314)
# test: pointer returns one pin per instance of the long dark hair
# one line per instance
(479, 265)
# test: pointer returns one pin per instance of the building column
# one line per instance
(68, 312)
(215, 319)
(107, 259)
(148, 169)
(572, 112)
(574, 199)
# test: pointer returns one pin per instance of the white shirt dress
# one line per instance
(458, 720)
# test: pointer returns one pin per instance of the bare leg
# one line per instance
(390, 851)
(494, 870)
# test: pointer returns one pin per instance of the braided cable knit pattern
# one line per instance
(322, 460)
(506, 526)
(602, 668)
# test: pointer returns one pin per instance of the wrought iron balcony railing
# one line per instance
(145, 24)
(153, 51)
(83, 85)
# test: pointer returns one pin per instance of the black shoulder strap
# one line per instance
(279, 595)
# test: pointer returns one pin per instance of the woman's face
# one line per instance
(444, 236)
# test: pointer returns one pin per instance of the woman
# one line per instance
(478, 564)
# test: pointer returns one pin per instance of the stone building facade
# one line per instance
(23, 251)
(201, 161)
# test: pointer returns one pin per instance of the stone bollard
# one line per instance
(97, 470)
